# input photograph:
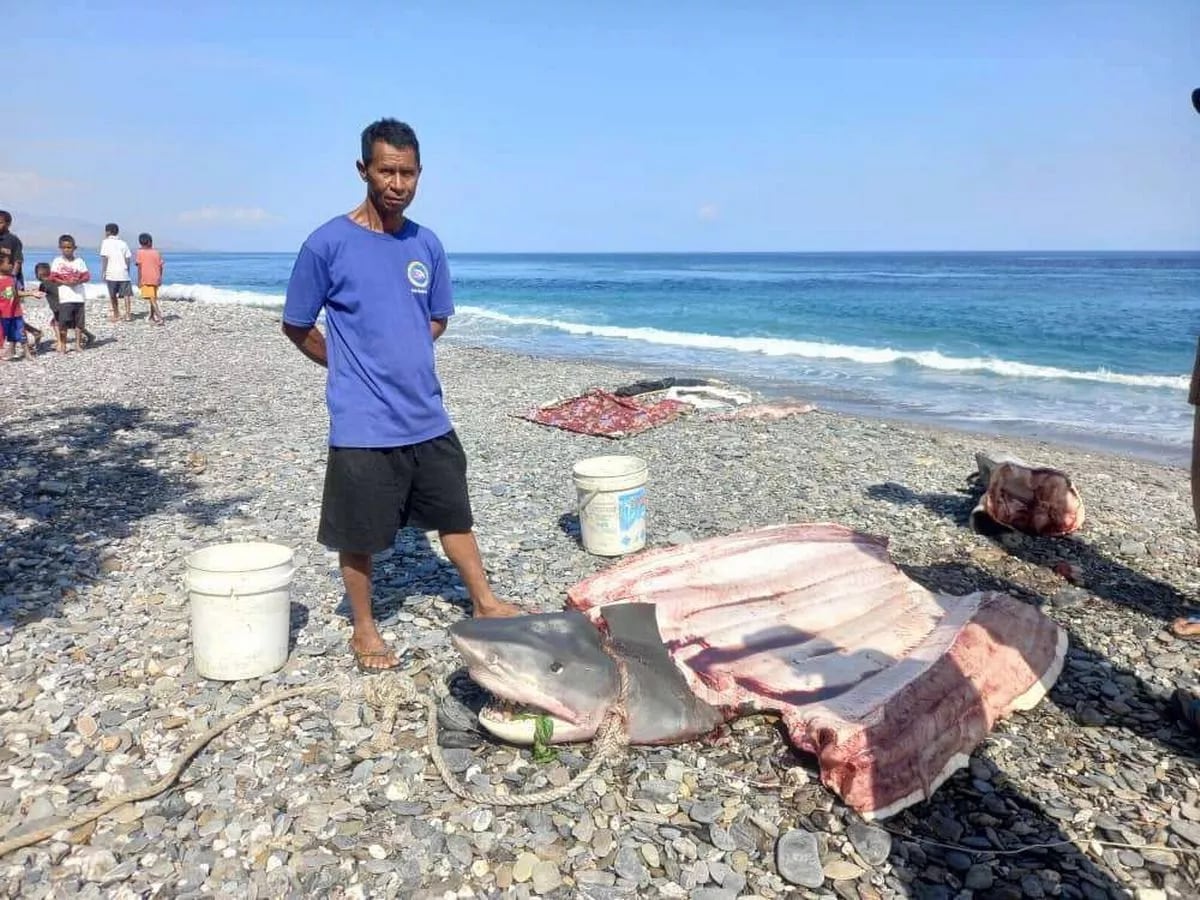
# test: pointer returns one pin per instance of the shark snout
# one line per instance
(550, 661)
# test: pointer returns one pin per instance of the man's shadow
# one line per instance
(1103, 576)
(72, 486)
(410, 574)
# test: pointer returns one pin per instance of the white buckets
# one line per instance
(612, 503)
(240, 596)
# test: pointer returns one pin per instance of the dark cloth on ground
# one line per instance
(653, 385)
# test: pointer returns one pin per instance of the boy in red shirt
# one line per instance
(150, 272)
(12, 316)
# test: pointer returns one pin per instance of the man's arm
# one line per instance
(309, 341)
(437, 327)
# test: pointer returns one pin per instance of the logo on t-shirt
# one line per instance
(418, 275)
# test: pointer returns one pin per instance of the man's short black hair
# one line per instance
(41, 267)
(6, 216)
(66, 237)
(392, 132)
(144, 239)
(111, 228)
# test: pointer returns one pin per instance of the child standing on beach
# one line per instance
(48, 290)
(150, 272)
(70, 273)
(114, 265)
(12, 316)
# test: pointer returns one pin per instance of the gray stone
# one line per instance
(458, 760)
(705, 811)
(978, 878)
(596, 877)
(546, 877)
(628, 865)
(798, 858)
(957, 861)
(1189, 831)
(348, 715)
(873, 844)
(721, 838)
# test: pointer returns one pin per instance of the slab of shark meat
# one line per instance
(889, 685)
(1039, 501)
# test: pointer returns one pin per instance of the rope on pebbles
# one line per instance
(387, 692)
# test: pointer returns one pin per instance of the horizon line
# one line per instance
(1025, 250)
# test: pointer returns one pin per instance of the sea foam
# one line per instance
(766, 346)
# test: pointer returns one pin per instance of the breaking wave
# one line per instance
(928, 359)
(206, 293)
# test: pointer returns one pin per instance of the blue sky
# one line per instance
(576, 126)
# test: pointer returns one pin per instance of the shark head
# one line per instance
(545, 664)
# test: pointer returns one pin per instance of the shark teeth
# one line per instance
(507, 709)
(513, 722)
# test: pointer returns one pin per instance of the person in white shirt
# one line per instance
(70, 273)
(114, 265)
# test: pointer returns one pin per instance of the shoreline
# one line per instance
(771, 389)
(125, 458)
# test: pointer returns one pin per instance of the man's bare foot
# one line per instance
(495, 609)
(1188, 626)
(373, 655)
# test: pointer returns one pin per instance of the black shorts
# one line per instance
(120, 289)
(70, 315)
(371, 493)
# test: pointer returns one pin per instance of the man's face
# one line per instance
(6, 264)
(67, 249)
(391, 177)
(4, 223)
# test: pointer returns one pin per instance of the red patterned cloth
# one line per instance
(606, 415)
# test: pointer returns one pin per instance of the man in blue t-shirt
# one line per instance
(394, 459)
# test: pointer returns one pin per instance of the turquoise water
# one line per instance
(1091, 348)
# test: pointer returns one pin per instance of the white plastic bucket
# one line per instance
(612, 503)
(240, 597)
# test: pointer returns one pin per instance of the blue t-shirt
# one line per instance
(379, 292)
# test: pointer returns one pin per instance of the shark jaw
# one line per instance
(516, 725)
(519, 703)
(548, 664)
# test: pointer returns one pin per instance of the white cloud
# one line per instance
(709, 212)
(19, 187)
(228, 215)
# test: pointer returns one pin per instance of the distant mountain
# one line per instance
(42, 232)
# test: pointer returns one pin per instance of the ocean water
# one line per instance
(1092, 349)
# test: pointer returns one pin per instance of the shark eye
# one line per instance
(556, 667)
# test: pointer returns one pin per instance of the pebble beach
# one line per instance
(120, 460)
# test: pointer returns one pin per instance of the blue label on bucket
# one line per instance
(631, 512)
